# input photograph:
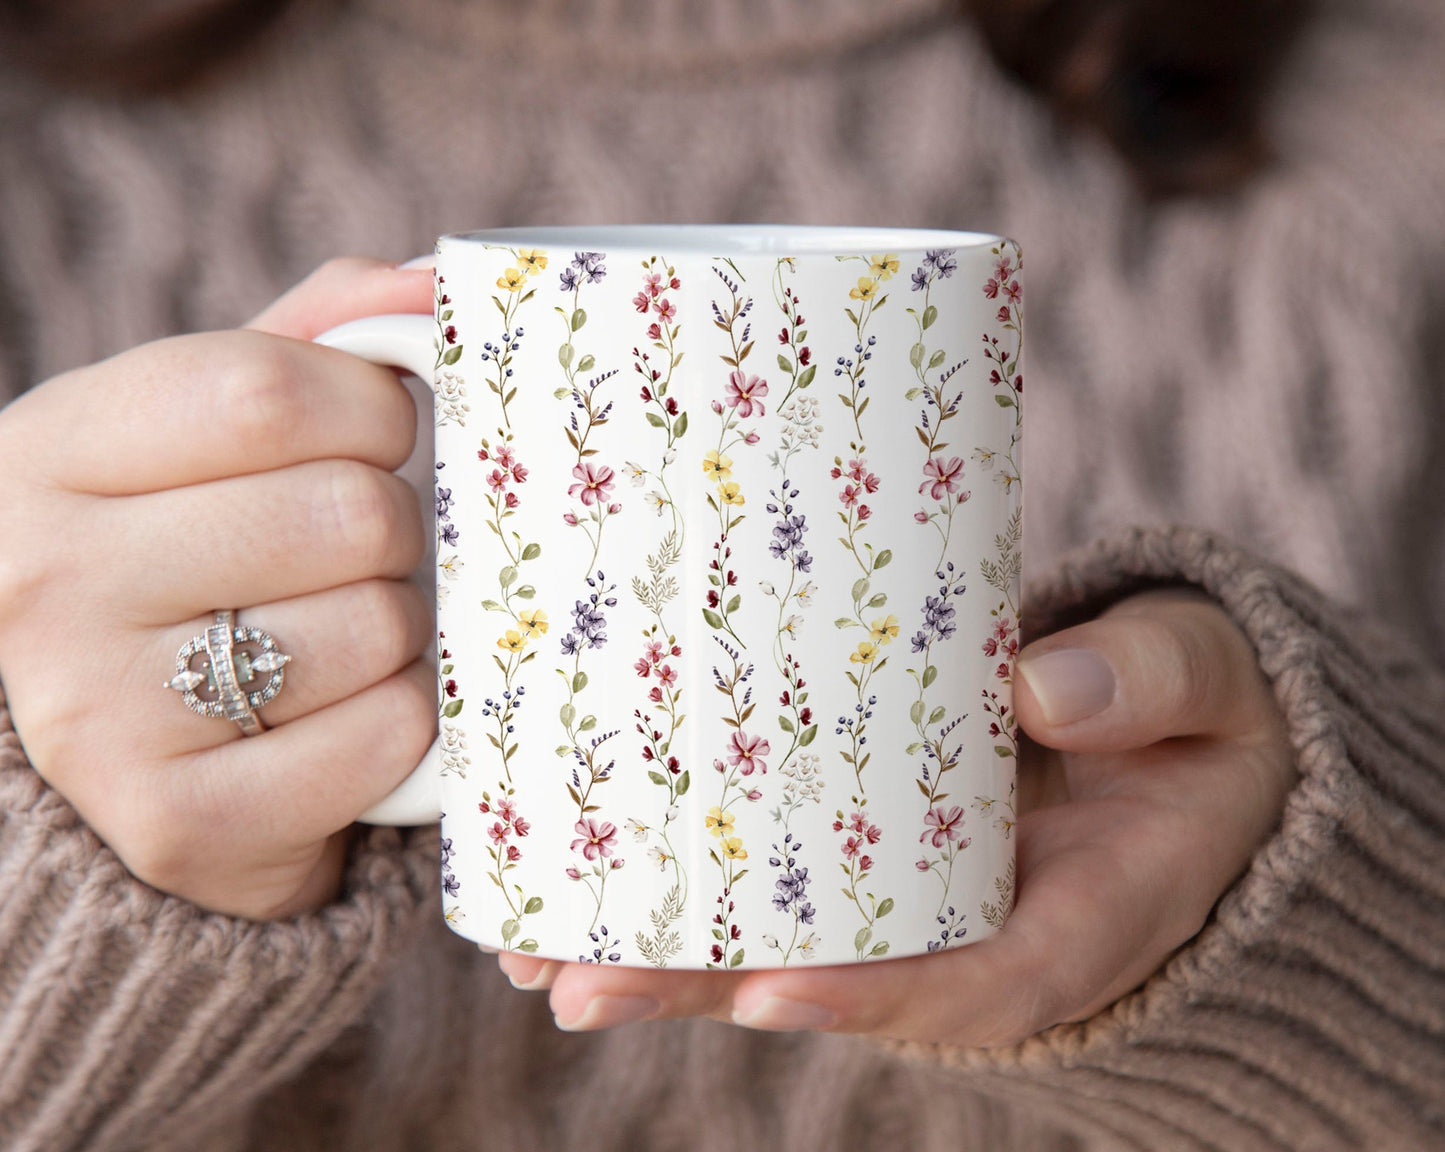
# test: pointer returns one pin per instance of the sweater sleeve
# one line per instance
(132, 1019)
(1310, 1010)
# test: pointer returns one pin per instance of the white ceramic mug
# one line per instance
(727, 567)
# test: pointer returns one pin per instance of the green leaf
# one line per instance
(1002, 752)
(883, 559)
(588, 723)
(861, 938)
(491, 606)
(877, 600)
(587, 363)
(565, 354)
(531, 551)
(930, 314)
(527, 945)
(734, 603)
(784, 365)
(915, 711)
(510, 928)
(579, 681)
(936, 359)
(712, 618)
(930, 674)
(844, 622)
(679, 427)
(507, 576)
(562, 749)
(808, 736)
(447, 314)
(880, 949)
(526, 592)
(936, 715)
(452, 355)
(884, 908)
(452, 710)
(737, 959)
(912, 749)
(567, 714)
(915, 354)
(579, 318)
(860, 588)
(718, 934)
(785, 724)
(805, 377)
(534, 905)
(1003, 401)
(655, 420)
(683, 783)
(447, 669)
(657, 777)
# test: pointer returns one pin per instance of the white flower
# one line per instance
(671, 814)
(442, 593)
(669, 456)
(770, 940)
(765, 587)
(658, 500)
(792, 624)
(638, 830)
(985, 457)
(636, 473)
(658, 857)
(808, 945)
(806, 593)
(452, 567)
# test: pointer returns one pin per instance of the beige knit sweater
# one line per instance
(1267, 366)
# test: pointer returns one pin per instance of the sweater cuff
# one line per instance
(1310, 1011)
(129, 1018)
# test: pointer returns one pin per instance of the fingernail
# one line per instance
(776, 1014)
(418, 263)
(487, 948)
(1070, 684)
(610, 1012)
(542, 979)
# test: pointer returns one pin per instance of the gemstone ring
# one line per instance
(229, 671)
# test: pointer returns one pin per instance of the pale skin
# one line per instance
(253, 469)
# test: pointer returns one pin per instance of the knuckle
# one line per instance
(259, 392)
(155, 841)
(383, 624)
(360, 520)
(410, 706)
(1185, 664)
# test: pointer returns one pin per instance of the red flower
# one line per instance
(594, 839)
(990, 647)
(805, 356)
(745, 392)
(865, 863)
(783, 336)
(519, 474)
(667, 674)
(505, 456)
(513, 853)
(1002, 671)
(644, 669)
(450, 333)
(655, 695)
(511, 500)
(852, 847)
(498, 477)
(748, 751)
(1003, 315)
(498, 833)
(596, 482)
(451, 687)
(520, 826)
(642, 301)
(921, 517)
(654, 332)
(849, 495)
(864, 512)
(666, 309)
(941, 477)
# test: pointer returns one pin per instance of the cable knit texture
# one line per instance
(1267, 364)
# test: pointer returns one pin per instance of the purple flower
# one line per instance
(941, 259)
(450, 535)
(920, 279)
(444, 501)
(450, 884)
(447, 851)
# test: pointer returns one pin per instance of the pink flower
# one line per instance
(613, 509)
(921, 517)
(506, 810)
(753, 794)
(990, 289)
(512, 500)
(519, 474)
(655, 695)
(849, 495)
(745, 392)
(652, 284)
(942, 478)
(498, 477)
(667, 674)
(596, 482)
(865, 863)
(1002, 671)
(666, 310)
(748, 751)
(644, 669)
(717, 407)
(654, 332)
(942, 826)
(858, 470)
(520, 826)
(852, 847)
(498, 833)
(594, 839)
(1003, 316)
(1002, 628)
(1013, 292)
(656, 650)
(753, 437)
(642, 301)
(921, 865)
(505, 457)
(570, 519)
(864, 512)
(513, 853)
(990, 647)
(574, 874)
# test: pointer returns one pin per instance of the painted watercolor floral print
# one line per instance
(728, 571)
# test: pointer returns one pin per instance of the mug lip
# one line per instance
(716, 240)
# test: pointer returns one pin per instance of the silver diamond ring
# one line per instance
(229, 671)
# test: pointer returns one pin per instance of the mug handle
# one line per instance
(405, 342)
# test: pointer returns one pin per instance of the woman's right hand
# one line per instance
(249, 470)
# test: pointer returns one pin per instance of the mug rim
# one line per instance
(714, 240)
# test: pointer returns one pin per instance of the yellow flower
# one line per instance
(885, 629)
(866, 290)
(719, 823)
(717, 466)
(513, 641)
(533, 260)
(512, 279)
(883, 267)
(866, 651)
(732, 848)
(729, 493)
(534, 623)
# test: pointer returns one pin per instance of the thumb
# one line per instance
(1161, 664)
(345, 289)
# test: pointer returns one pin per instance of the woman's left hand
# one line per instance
(1159, 764)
